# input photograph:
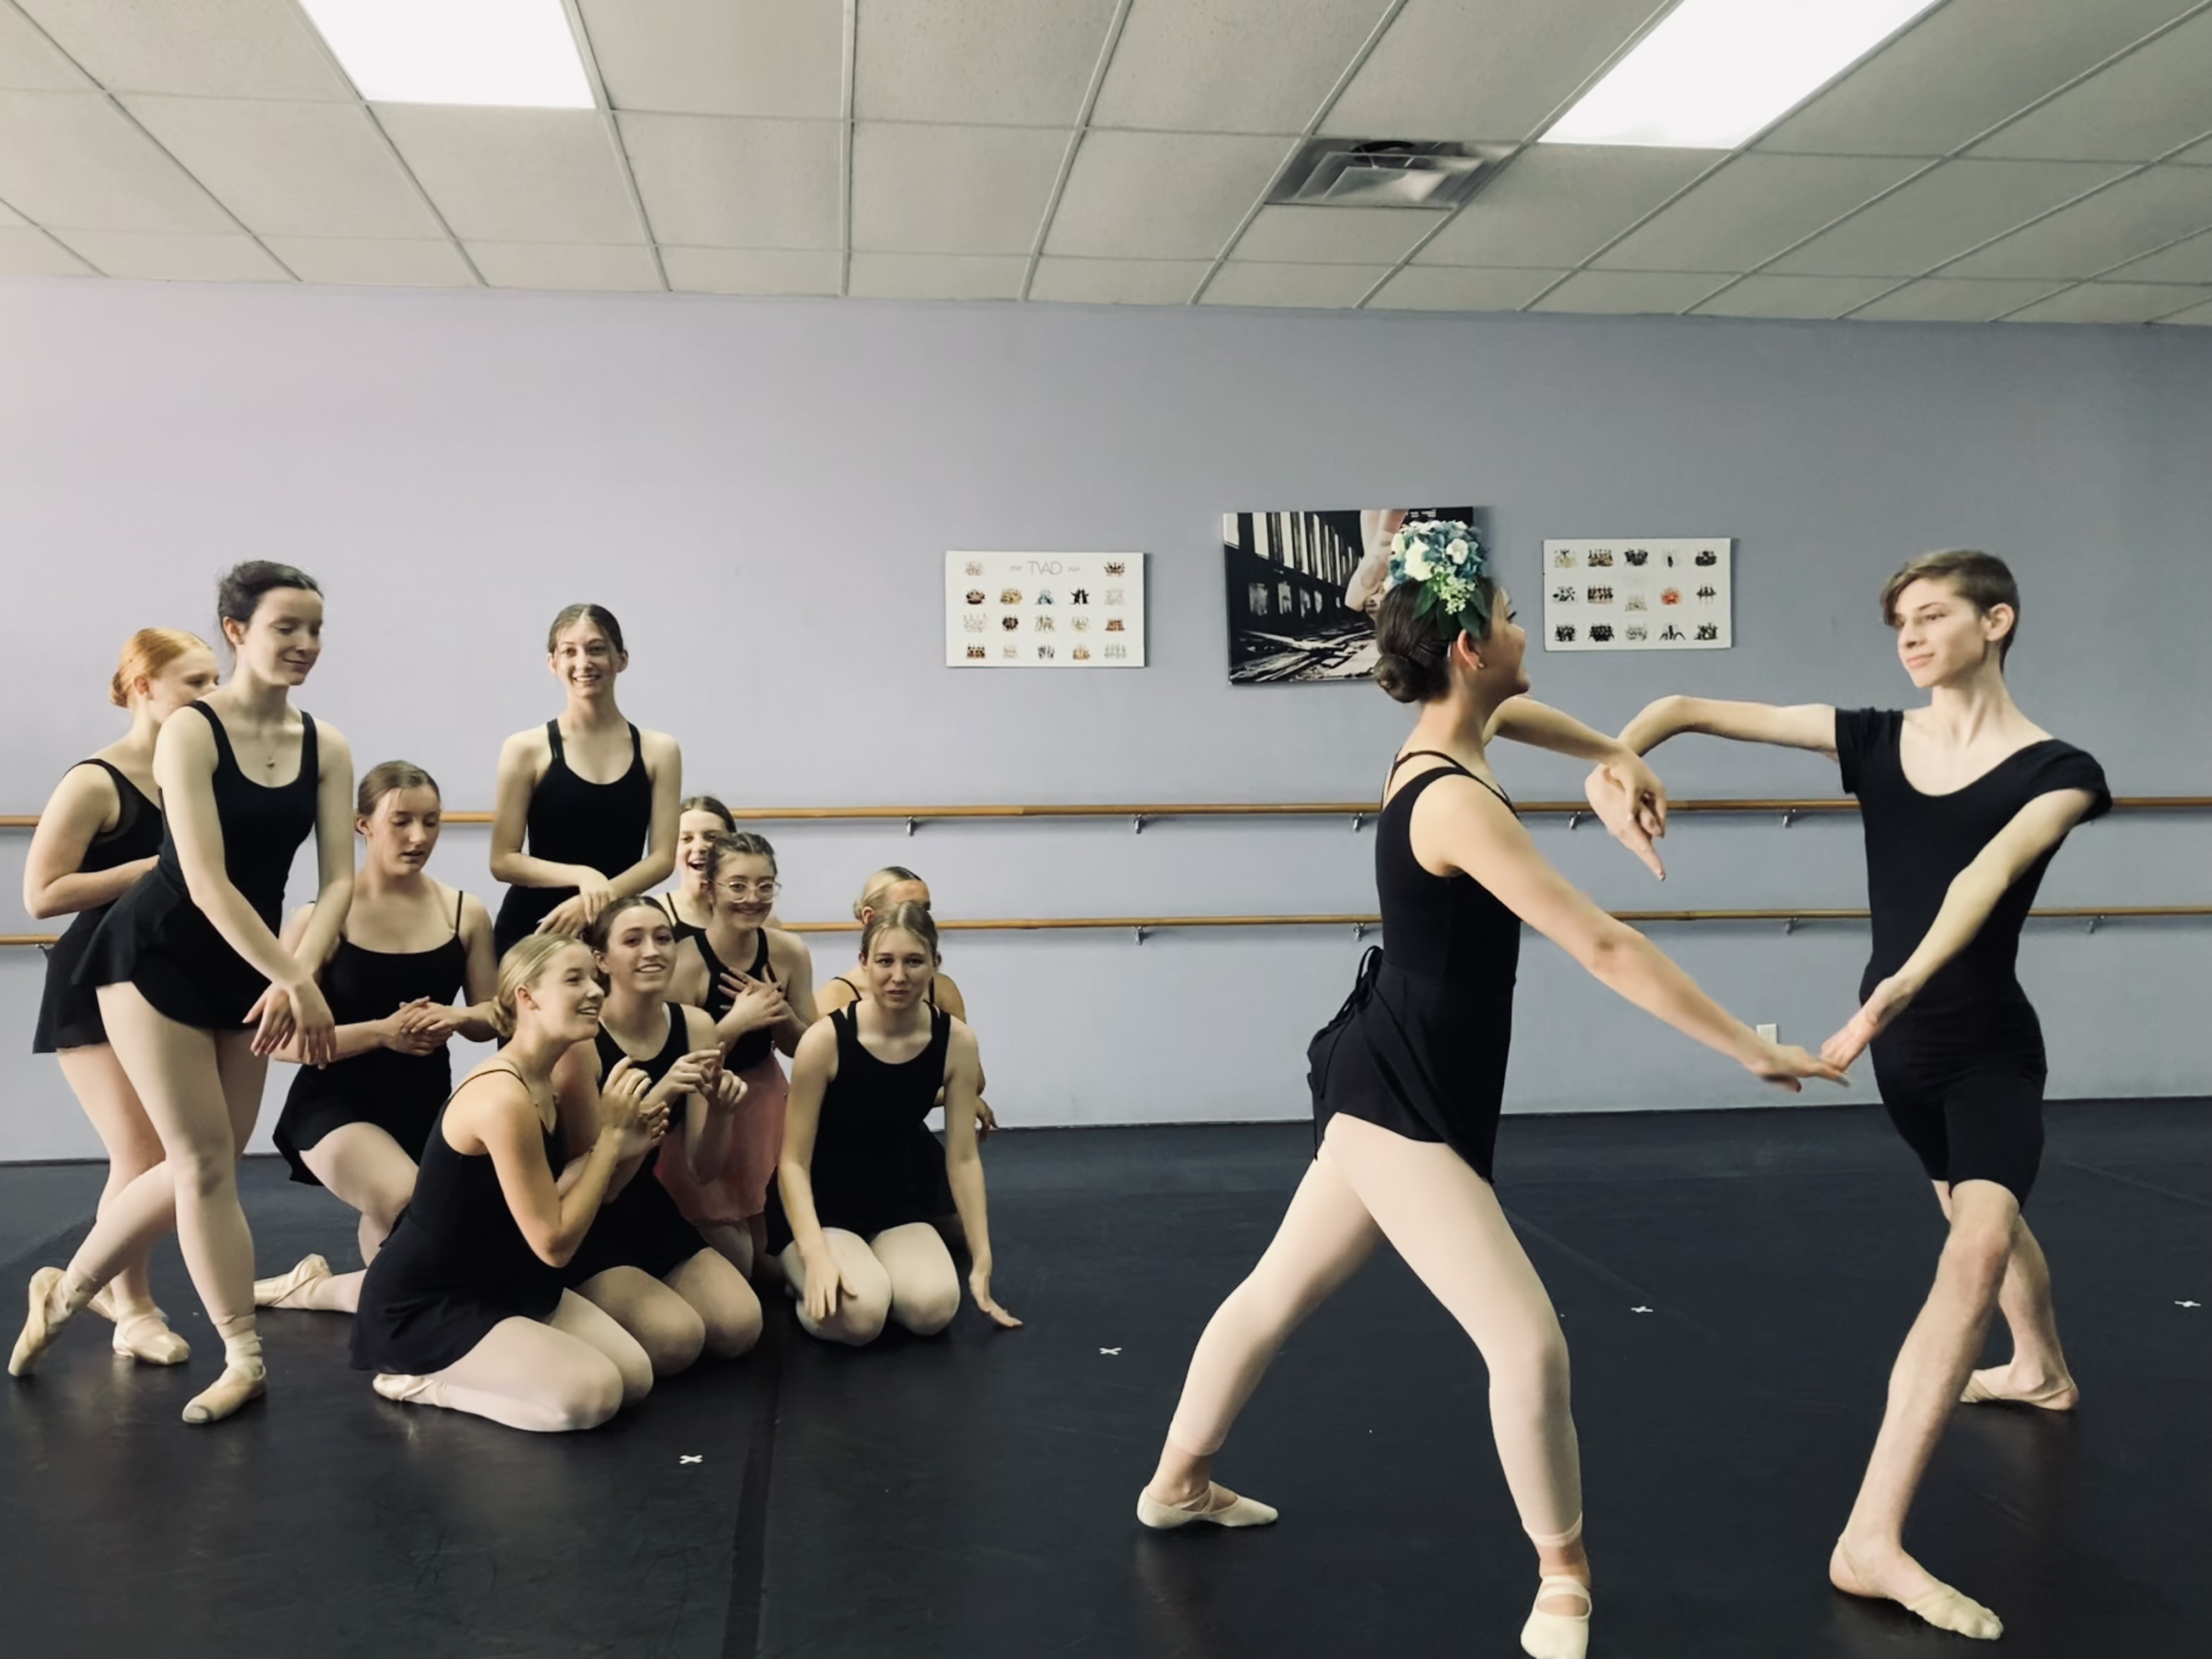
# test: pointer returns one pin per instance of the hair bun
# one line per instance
(1400, 676)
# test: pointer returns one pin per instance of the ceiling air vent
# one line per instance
(1384, 172)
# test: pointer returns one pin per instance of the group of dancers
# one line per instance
(589, 1207)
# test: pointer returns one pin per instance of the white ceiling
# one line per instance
(2045, 160)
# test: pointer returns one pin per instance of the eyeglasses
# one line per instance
(740, 889)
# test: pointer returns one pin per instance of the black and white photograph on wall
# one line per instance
(1632, 593)
(1286, 574)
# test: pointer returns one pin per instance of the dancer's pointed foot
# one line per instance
(244, 1378)
(1894, 1576)
(280, 1291)
(403, 1389)
(1559, 1625)
(143, 1335)
(41, 1324)
(1216, 1505)
(2008, 1384)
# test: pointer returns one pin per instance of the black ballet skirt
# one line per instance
(400, 1094)
(755, 1046)
(1419, 1047)
(68, 1013)
(875, 1164)
(640, 1226)
(155, 937)
(602, 826)
(455, 1265)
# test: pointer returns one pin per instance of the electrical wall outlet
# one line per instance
(1769, 1032)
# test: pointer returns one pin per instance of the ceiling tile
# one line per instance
(1947, 300)
(719, 57)
(2184, 262)
(1460, 288)
(1625, 291)
(516, 175)
(367, 262)
(1119, 282)
(752, 271)
(1555, 204)
(72, 159)
(993, 63)
(27, 253)
(1961, 69)
(952, 190)
(293, 168)
(163, 257)
(2112, 302)
(1940, 215)
(1481, 69)
(1160, 196)
(1257, 284)
(1752, 210)
(725, 181)
(2135, 111)
(212, 48)
(1231, 65)
(938, 275)
(30, 62)
(1335, 236)
(1792, 296)
(2131, 218)
(2195, 317)
(596, 266)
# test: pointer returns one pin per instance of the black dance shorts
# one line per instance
(1983, 1122)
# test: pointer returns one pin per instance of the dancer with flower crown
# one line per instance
(1408, 1078)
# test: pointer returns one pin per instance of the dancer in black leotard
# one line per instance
(856, 1188)
(464, 1307)
(195, 989)
(643, 1262)
(1407, 1085)
(410, 946)
(101, 831)
(1964, 804)
(699, 820)
(590, 842)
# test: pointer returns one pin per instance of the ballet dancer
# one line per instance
(196, 989)
(410, 946)
(699, 819)
(856, 1188)
(463, 1306)
(1964, 802)
(590, 842)
(757, 1010)
(1407, 1080)
(100, 831)
(643, 1262)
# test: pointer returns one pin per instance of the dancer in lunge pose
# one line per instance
(100, 831)
(643, 1262)
(856, 1188)
(195, 988)
(464, 1307)
(1407, 1080)
(410, 945)
(1964, 801)
(595, 797)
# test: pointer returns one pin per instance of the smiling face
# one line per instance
(280, 645)
(565, 998)
(695, 841)
(188, 677)
(744, 888)
(899, 968)
(1941, 636)
(402, 833)
(585, 661)
(640, 951)
(1503, 653)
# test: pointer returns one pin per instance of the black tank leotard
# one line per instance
(400, 1094)
(754, 1047)
(455, 1265)
(1419, 1047)
(68, 1013)
(159, 941)
(875, 1164)
(1961, 1070)
(602, 826)
(640, 1226)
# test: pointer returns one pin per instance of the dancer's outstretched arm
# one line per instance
(2035, 830)
(1634, 805)
(1797, 726)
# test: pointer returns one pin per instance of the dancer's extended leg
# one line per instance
(574, 1372)
(95, 1077)
(925, 1284)
(2037, 1373)
(1924, 1385)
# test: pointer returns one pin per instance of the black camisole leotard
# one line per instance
(755, 1046)
(1961, 1070)
(155, 937)
(640, 1226)
(602, 826)
(68, 1013)
(1419, 1047)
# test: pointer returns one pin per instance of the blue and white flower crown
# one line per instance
(1446, 557)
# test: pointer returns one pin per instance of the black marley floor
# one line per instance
(1733, 1286)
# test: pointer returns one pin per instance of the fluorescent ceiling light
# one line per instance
(514, 53)
(1716, 71)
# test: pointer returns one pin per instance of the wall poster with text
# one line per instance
(1044, 610)
(1651, 593)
